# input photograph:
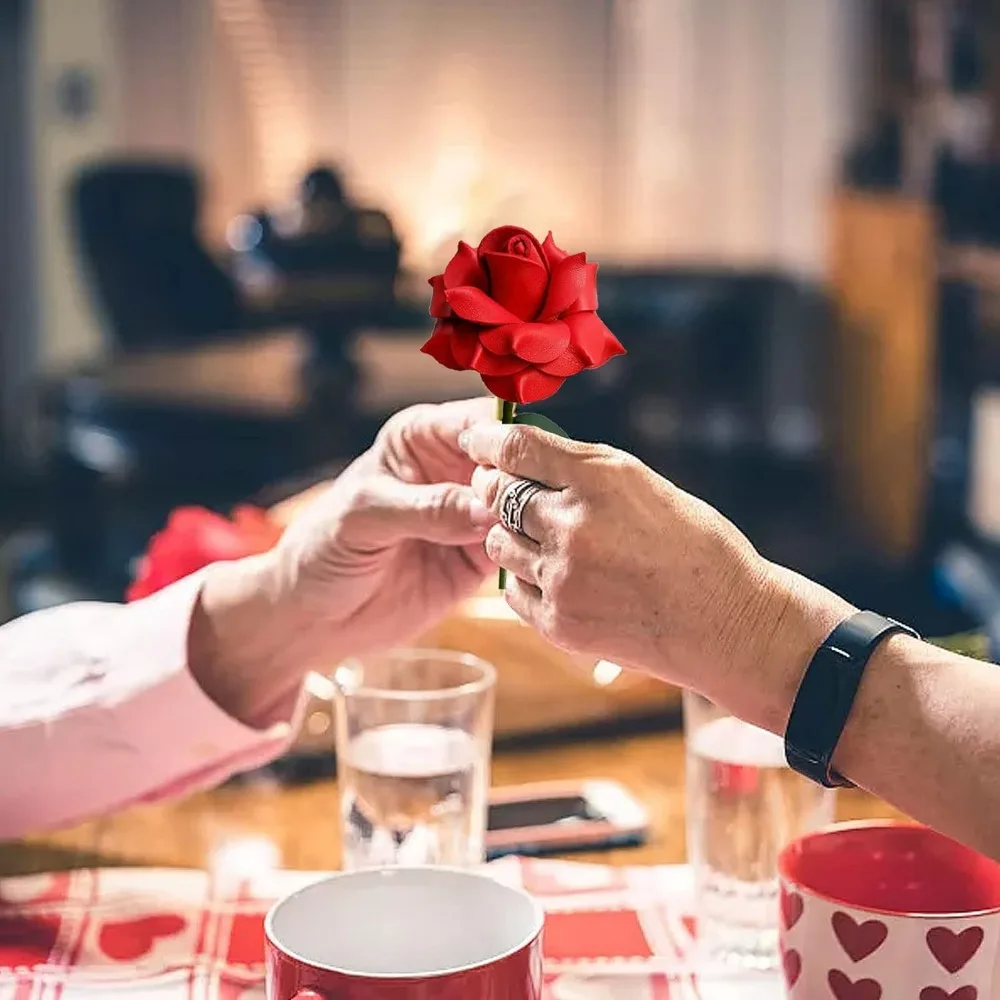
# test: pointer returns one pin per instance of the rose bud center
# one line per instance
(519, 247)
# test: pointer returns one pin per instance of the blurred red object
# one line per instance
(194, 538)
(734, 779)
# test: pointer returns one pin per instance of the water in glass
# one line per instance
(414, 729)
(413, 794)
(744, 805)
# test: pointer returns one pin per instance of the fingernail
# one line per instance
(463, 440)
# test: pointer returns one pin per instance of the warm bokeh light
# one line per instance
(283, 141)
(244, 857)
(605, 672)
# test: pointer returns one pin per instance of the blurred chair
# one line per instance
(146, 433)
(199, 400)
(136, 226)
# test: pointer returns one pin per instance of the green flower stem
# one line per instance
(505, 413)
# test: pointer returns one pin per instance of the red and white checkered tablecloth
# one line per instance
(175, 934)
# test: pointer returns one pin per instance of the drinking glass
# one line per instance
(744, 804)
(414, 731)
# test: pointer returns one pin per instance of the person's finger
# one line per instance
(458, 414)
(539, 512)
(442, 421)
(420, 443)
(525, 600)
(525, 451)
(518, 555)
(390, 511)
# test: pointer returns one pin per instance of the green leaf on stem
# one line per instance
(542, 422)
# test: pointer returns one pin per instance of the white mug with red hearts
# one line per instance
(888, 911)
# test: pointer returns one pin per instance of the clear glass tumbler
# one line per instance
(743, 805)
(414, 733)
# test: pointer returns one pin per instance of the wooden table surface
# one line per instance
(297, 828)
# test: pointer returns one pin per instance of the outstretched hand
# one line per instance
(389, 546)
(617, 562)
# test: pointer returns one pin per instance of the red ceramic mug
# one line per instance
(882, 910)
(405, 934)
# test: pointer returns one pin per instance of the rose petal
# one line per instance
(464, 346)
(502, 386)
(565, 286)
(470, 355)
(439, 347)
(587, 302)
(568, 363)
(439, 304)
(475, 306)
(498, 241)
(532, 385)
(592, 339)
(528, 386)
(464, 269)
(517, 283)
(553, 255)
(539, 343)
(488, 363)
(499, 339)
(536, 343)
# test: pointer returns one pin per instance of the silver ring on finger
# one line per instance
(513, 502)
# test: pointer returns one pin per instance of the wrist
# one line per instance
(797, 616)
(246, 645)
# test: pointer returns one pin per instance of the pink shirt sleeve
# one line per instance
(98, 711)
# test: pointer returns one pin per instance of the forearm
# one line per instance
(924, 731)
(925, 735)
(100, 710)
(247, 648)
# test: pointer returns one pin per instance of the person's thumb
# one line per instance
(446, 513)
(526, 452)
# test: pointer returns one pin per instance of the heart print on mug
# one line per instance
(886, 911)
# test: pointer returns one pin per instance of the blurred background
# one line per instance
(218, 217)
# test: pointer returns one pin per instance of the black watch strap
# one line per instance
(827, 692)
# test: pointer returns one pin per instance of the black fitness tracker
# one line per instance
(827, 691)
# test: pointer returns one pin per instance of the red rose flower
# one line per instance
(194, 538)
(519, 312)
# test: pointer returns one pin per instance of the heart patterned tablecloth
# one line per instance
(175, 934)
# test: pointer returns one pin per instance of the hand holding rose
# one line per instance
(619, 563)
(368, 561)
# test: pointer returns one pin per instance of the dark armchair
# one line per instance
(136, 225)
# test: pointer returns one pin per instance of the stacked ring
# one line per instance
(513, 502)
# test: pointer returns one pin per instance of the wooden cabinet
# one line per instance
(883, 278)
